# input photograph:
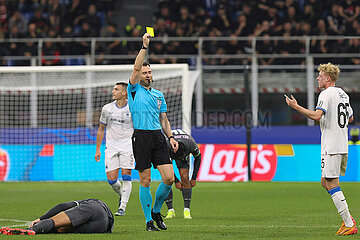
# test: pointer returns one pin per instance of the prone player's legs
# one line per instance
(62, 223)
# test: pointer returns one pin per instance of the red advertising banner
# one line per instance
(228, 162)
(4, 165)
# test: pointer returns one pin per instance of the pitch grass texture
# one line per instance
(256, 210)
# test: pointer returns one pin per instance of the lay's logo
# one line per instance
(4, 165)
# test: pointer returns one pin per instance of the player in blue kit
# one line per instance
(148, 109)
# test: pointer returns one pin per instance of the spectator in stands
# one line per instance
(4, 19)
(202, 22)
(67, 48)
(185, 21)
(85, 32)
(355, 29)
(132, 47)
(274, 21)
(262, 8)
(77, 8)
(54, 24)
(55, 8)
(51, 54)
(161, 30)
(286, 47)
(32, 31)
(41, 23)
(19, 20)
(337, 47)
(318, 6)
(319, 46)
(234, 47)
(157, 48)
(92, 19)
(128, 29)
(4, 51)
(251, 18)
(113, 47)
(354, 46)
(262, 29)
(309, 15)
(293, 18)
(241, 26)
(221, 22)
(350, 11)
(164, 13)
(335, 21)
(266, 46)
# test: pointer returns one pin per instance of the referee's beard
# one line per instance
(146, 83)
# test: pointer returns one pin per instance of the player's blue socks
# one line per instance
(161, 194)
(146, 201)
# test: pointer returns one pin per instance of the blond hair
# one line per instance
(331, 70)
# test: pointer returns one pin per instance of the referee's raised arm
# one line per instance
(135, 76)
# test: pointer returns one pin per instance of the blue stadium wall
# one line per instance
(279, 154)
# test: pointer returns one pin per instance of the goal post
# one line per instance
(56, 109)
(174, 80)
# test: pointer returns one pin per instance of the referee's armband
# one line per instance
(171, 137)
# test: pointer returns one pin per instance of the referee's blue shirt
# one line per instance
(145, 106)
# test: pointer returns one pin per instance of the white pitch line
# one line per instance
(25, 222)
(252, 226)
(13, 220)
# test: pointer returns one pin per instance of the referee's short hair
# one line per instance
(146, 64)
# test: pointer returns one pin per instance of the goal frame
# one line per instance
(188, 84)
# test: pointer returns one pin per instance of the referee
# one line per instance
(148, 109)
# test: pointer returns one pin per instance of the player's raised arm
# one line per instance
(135, 76)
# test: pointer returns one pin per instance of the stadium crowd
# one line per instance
(181, 18)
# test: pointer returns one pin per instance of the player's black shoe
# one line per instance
(159, 221)
(150, 227)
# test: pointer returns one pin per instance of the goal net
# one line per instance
(49, 116)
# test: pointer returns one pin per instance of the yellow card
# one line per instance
(150, 30)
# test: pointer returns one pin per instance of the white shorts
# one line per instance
(334, 165)
(116, 160)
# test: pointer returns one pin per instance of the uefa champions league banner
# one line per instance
(220, 162)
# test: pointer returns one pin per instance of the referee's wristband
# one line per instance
(171, 137)
(143, 47)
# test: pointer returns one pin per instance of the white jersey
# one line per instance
(119, 127)
(335, 104)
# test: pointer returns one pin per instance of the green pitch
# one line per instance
(219, 210)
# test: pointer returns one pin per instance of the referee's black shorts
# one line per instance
(149, 146)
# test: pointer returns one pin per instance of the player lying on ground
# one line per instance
(82, 216)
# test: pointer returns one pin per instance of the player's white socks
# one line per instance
(116, 187)
(341, 205)
(125, 194)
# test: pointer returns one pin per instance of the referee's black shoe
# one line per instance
(150, 227)
(159, 221)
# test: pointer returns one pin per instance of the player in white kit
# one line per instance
(116, 118)
(334, 112)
